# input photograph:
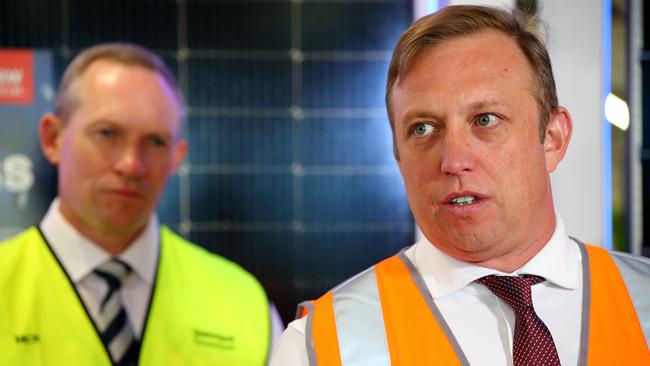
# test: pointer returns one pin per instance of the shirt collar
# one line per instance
(79, 256)
(557, 262)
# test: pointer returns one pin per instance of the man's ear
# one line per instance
(180, 153)
(557, 137)
(50, 130)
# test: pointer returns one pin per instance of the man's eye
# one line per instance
(158, 141)
(106, 132)
(423, 129)
(486, 119)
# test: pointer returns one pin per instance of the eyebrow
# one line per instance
(164, 136)
(482, 104)
(102, 121)
(478, 105)
(417, 113)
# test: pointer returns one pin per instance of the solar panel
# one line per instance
(290, 169)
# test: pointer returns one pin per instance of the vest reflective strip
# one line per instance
(615, 335)
(359, 322)
(307, 308)
(417, 334)
(355, 311)
(381, 318)
(636, 272)
(583, 352)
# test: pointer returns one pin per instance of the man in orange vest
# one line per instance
(477, 130)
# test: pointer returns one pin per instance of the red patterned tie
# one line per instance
(533, 343)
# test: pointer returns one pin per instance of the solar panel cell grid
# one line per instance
(290, 170)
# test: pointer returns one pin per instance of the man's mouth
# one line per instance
(130, 193)
(462, 200)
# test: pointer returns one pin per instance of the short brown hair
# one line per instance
(463, 20)
(120, 52)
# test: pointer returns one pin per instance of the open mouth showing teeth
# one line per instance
(463, 200)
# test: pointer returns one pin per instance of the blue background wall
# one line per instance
(290, 170)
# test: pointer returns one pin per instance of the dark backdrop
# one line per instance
(290, 171)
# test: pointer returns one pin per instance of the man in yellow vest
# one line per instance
(99, 281)
(477, 130)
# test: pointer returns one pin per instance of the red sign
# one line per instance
(16, 77)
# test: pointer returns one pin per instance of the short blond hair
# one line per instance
(463, 20)
(120, 52)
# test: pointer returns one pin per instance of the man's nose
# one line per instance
(130, 161)
(457, 152)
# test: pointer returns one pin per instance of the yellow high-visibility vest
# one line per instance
(205, 310)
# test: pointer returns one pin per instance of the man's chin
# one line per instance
(469, 244)
(124, 224)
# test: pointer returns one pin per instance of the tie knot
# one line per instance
(114, 272)
(514, 290)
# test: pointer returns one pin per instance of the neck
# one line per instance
(113, 244)
(514, 259)
(112, 240)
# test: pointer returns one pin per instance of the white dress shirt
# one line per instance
(79, 257)
(482, 323)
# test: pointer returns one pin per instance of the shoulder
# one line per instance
(200, 261)
(18, 242)
(628, 263)
(21, 253)
(366, 280)
(357, 292)
(28, 234)
(630, 258)
(353, 283)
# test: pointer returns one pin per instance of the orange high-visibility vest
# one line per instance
(386, 316)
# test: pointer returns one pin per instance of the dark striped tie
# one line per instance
(114, 325)
(532, 344)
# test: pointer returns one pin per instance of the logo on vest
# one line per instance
(203, 338)
(27, 338)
